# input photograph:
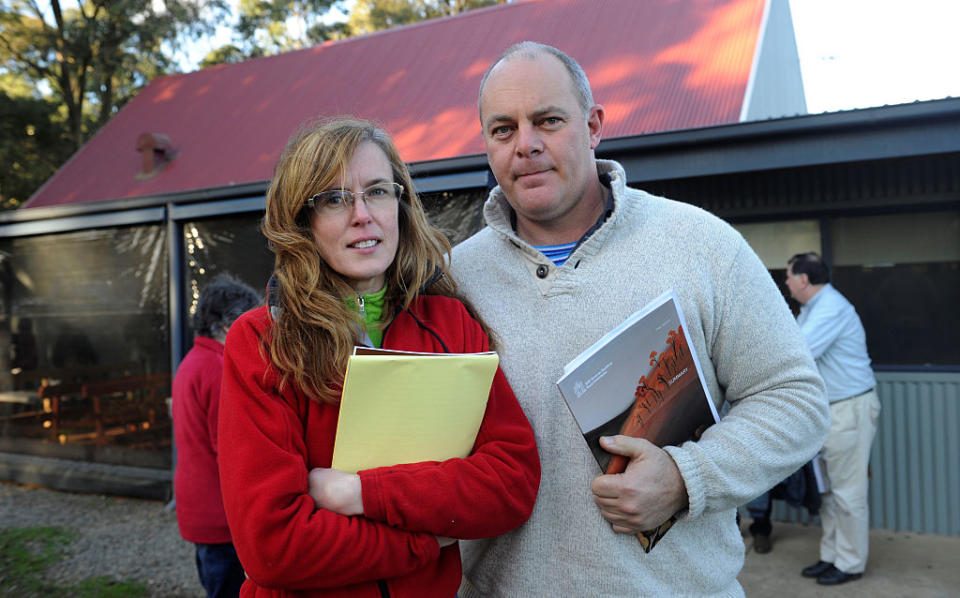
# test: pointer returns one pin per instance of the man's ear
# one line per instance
(595, 124)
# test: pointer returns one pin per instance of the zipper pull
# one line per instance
(362, 324)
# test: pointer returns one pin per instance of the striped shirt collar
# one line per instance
(558, 254)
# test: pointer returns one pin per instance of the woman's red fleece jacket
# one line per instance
(269, 441)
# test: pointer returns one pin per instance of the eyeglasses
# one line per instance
(338, 201)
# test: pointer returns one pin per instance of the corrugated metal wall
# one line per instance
(916, 456)
(915, 460)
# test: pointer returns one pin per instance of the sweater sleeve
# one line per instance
(779, 415)
(281, 539)
(490, 492)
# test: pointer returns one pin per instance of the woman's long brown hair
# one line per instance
(315, 331)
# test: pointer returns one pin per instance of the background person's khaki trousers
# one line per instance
(844, 513)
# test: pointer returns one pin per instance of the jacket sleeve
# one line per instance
(486, 494)
(213, 407)
(281, 539)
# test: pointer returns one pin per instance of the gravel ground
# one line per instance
(124, 538)
(133, 539)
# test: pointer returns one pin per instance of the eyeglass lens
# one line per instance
(339, 200)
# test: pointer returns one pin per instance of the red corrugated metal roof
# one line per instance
(654, 65)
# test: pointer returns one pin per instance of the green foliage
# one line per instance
(375, 15)
(272, 26)
(228, 54)
(95, 57)
(267, 27)
(87, 61)
(66, 71)
(104, 587)
(33, 144)
(16, 86)
(26, 554)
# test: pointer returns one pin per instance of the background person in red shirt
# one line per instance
(196, 407)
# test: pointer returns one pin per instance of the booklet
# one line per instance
(641, 379)
(820, 473)
(406, 407)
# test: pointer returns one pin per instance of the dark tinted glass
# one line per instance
(231, 244)
(902, 273)
(85, 317)
(909, 311)
(459, 214)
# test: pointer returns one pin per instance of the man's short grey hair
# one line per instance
(532, 50)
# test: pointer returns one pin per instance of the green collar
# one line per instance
(372, 313)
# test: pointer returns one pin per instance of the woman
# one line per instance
(356, 260)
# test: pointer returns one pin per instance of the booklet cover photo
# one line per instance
(642, 379)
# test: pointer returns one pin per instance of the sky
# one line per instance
(863, 53)
(194, 52)
(853, 53)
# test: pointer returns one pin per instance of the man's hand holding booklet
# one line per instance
(641, 379)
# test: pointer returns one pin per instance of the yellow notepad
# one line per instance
(400, 407)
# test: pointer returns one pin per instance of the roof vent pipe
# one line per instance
(155, 152)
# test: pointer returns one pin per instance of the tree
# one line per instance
(266, 27)
(228, 54)
(375, 15)
(272, 26)
(93, 58)
(33, 144)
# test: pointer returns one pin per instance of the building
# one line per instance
(704, 104)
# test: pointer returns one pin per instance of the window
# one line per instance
(232, 244)
(902, 273)
(85, 317)
(458, 214)
(777, 242)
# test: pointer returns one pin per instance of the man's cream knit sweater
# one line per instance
(752, 355)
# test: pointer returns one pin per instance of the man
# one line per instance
(621, 248)
(833, 331)
(196, 406)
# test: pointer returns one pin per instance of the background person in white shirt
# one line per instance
(833, 331)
